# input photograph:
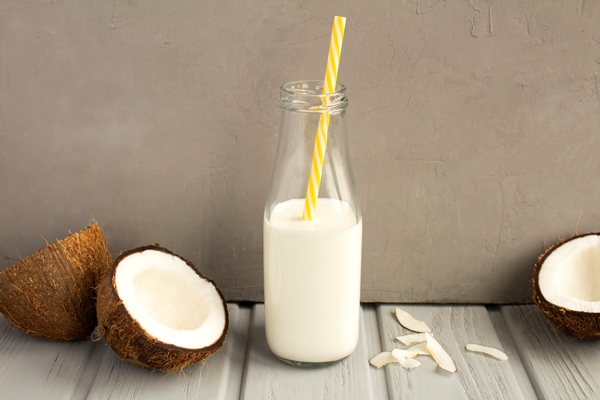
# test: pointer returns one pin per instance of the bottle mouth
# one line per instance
(308, 96)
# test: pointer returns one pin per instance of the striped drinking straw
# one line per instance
(333, 60)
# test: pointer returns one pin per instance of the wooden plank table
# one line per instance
(542, 363)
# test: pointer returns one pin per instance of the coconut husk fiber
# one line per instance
(51, 293)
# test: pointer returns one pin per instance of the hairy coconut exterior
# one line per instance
(584, 325)
(51, 293)
(129, 340)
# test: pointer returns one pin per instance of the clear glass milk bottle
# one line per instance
(312, 268)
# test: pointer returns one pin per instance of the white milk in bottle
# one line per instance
(312, 281)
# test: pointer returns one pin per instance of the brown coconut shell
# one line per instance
(51, 293)
(129, 340)
(583, 325)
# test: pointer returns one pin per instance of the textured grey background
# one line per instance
(473, 127)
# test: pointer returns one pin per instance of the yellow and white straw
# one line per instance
(333, 61)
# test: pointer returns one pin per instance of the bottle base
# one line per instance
(309, 365)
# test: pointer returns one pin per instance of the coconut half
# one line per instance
(157, 311)
(566, 285)
(51, 293)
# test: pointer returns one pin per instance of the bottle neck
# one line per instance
(304, 109)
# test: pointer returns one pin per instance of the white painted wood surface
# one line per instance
(542, 363)
(265, 378)
(478, 376)
(560, 366)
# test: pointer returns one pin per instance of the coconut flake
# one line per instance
(405, 358)
(419, 349)
(491, 351)
(383, 358)
(412, 338)
(410, 322)
(441, 356)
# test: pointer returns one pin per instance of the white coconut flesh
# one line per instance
(169, 300)
(570, 275)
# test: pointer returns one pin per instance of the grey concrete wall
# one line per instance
(473, 126)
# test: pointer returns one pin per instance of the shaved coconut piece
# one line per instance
(405, 358)
(491, 351)
(419, 349)
(410, 322)
(441, 356)
(383, 358)
(410, 363)
(412, 338)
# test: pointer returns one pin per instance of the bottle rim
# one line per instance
(308, 96)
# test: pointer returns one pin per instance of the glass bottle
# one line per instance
(312, 268)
